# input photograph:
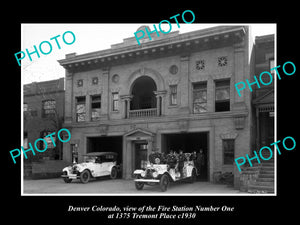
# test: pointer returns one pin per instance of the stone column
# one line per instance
(157, 105)
(126, 108)
(160, 95)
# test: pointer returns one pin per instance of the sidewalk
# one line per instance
(122, 187)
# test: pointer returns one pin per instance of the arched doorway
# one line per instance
(142, 92)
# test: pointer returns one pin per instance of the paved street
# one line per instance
(120, 186)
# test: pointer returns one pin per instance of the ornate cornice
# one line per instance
(177, 44)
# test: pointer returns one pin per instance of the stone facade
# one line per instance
(139, 120)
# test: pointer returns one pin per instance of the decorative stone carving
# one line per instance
(79, 83)
(115, 78)
(200, 64)
(230, 135)
(173, 69)
(115, 89)
(222, 61)
(174, 81)
(95, 80)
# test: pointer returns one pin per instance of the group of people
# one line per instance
(176, 160)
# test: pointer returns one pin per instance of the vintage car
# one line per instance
(163, 174)
(97, 164)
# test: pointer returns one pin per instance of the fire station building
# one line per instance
(175, 91)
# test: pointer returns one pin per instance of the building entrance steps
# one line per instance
(259, 178)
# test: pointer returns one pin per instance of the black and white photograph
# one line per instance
(157, 112)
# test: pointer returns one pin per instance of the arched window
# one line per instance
(143, 93)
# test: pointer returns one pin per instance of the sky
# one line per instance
(89, 38)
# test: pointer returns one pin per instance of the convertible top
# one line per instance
(100, 153)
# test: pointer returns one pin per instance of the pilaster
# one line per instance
(105, 93)
(184, 85)
(68, 97)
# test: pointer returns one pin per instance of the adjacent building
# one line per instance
(260, 178)
(43, 113)
(263, 97)
(175, 91)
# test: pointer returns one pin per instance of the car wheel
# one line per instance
(85, 176)
(113, 173)
(67, 180)
(164, 182)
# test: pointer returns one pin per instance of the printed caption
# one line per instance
(151, 212)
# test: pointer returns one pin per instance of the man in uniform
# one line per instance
(171, 159)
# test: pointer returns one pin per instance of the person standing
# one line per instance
(181, 159)
(200, 161)
(171, 159)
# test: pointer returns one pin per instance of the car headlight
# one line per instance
(155, 174)
(143, 174)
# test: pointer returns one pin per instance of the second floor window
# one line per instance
(222, 100)
(200, 97)
(95, 107)
(80, 109)
(173, 94)
(115, 101)
(48, 108)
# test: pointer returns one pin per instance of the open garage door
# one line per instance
(106, 144)
(188, 142)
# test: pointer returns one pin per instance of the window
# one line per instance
(173, 94)
(115, 103)
(228, 151)
(95, 107)
(47, 139)
(80, 109)
(48, 108)
(25, 140)
(200, 97)
(222, 98)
